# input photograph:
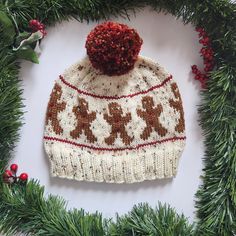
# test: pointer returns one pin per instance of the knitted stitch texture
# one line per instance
(115, 129)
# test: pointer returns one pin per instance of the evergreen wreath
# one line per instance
(23, 206)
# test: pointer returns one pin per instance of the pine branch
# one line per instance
(217, 196)
(53, 11)
(144, 220)
(25, 209)
(10, 106)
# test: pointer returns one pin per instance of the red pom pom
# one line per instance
(113, 48)
(23, 177)
(14, 167)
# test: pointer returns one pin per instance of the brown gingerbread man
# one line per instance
(177, 105)
(151, 116)
(118, 121)
(54, 107)
(84, 120)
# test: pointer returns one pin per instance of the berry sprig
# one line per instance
(208, 56)
(10, 176)
(35, 26)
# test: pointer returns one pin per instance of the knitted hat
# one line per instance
(115, 128)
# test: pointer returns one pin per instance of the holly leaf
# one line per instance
(7, 29)
(20, 37)
(34, 37)
(27, 53)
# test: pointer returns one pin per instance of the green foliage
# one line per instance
(25, 209)
(27, 53)
(7, 29)
(31, 39)
(144, 220)
(24, 46)
(217, 196)
(10, 105)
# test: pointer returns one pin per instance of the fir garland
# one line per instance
(23, 207)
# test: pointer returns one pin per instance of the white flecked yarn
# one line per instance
(78, 158)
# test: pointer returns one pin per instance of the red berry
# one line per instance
(41, 27)
(203, 51)
(202, 34)
(208, 64)
(199, 29)
(43, 32)
(210, 51)
(198, 72)
(202, 77)
(210, 58)
(7, 174)
(14, 167)
(203, 84)
(33, 22)
(23, 177)
(205, 43)
(206, 39)
(194, 70)
(35, 25)
(194, 66)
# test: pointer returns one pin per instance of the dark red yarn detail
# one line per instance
(113, 149)
(115, 97)
(113, 48)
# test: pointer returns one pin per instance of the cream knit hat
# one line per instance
(126, 128)
(114, 116)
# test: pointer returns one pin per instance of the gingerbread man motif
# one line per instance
(118, 121)
(84, 120)
(54, 107)
(151, 116)
(177, 105)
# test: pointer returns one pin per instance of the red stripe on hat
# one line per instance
(114, 97)
(113, 149)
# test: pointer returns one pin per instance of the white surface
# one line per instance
(173, 45)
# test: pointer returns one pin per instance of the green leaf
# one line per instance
(34, 37)
(20, 37)
(27, 53)
(7, 29)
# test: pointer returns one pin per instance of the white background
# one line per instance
(166, 40)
